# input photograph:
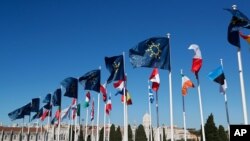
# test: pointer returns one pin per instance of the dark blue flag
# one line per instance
(239, 20)
(153, 53)
(35, 104)
(70, 85)
(57, 96)
(20, 112)
(47, 98)
(115, 66)
(91, 80)
(47, 106)
(38, 114)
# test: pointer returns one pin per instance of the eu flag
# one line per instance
(239, 20)
(35, 104)
(20, 112)
(70, 85)
(115, 66)
(56, 98)
(91, 80)
(153, 53)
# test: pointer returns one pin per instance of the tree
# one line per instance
(140, 134)
(112, 133)
(130, 133)
(222, 134)
(211, 130)
(101, 134)
(118, 134)
(164, 135)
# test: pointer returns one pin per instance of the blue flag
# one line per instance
(152, 52)
(38, 114)
(47, 98)
(150, 95)
(35, 104)
(239, 20)
(218, 76)
(56, 98)
(70, 85)
(91, 80)
(115, 66)
(20, 112)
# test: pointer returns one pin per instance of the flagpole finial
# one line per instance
(221, 62)
(181, 71)
(168, 35)
(100, 67)
(234, 7)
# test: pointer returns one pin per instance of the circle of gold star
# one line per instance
(154, 50)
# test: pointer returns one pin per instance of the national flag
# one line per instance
(239, 20)
(92, 114)
(47, 98)
(45, 114)
(70, 85)
(108, 107)
(246, 37)
(38, 114)
(155, 79)
(150, 95)
(91, 80)
(218, 76)
(115, 66)
(65, 113)
(56, 98)
(119, 85)
(74, 107)
(35, 104)
(47, 106)
(103, 90)
(78, 112)
(87, 100)
(128, 97)
(186, 83)
(153, 53)
(197, 59)
(20, 112)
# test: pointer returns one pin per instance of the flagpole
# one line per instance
(86, 124)
(109, 128)
(104, 122)
(171, 101)
(22, 129)
(150, 124)
(124, 103)
(201, 111)
(75, 137)
(98, 110)
(184, 114)
(226, 106)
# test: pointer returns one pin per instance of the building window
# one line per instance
(14, 137)
(31, 137)
(5, 137)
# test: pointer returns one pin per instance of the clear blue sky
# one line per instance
(43, 42)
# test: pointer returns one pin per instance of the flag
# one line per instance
(92, 111)
(45, 114)
(38, 114)
(47, 106)
(239, 20)
(155, 79)
(20, 112)
(153, 53)
(47, 98)
(186, 83)
(87, 100)
(115, 66)
(74, 108)
(78, 113)
(56, 98)
(150, 95)
(104, 92)
(246, 37)
(91, 80)
(108, 107)
(197, 59)
(35, 104)
(128, 97)
(70, 85)
(65, 113)
(119, 85)
(218, 76)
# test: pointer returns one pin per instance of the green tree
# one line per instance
(164, 135)
(112, 134)
(101, 134)
(211, 131)
(222, 134)
(140, 134)
(130, 133)
(118, 134)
